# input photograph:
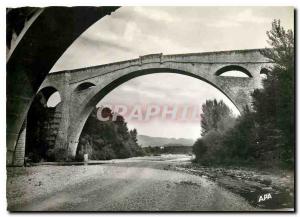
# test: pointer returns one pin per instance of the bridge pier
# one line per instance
(19, 153)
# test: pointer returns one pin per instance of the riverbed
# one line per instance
(151, 183)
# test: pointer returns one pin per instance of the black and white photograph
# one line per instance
(150, 108)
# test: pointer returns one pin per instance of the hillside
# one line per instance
(146, 141)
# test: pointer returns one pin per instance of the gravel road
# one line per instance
(115, 187)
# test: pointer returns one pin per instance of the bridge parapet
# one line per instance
(151, 58)
(235, 56)
(248, 58)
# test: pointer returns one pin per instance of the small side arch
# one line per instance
(42, 122)
(49, 96)
(233, 68)
(264, 71)
(84, 86)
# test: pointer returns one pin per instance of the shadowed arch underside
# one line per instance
(233, 68)
(28, 64)
(84, 86)
(41, 125)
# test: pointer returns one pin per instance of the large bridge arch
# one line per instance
(77, 105)
(204, 66)
(99, 91)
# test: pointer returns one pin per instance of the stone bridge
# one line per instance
(81, 89)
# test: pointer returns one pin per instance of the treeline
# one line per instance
(263, 135)
(104, 140)
(168, 150)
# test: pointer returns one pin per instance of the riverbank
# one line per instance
(115, 187)
(273, 189)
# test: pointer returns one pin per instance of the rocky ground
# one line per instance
(250, 183)
(115, 188)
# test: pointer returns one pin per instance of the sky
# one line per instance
(153, 89)
(131, 32)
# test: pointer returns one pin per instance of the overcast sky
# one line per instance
(133, 31)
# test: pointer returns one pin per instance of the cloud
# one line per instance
(247, 16)
(156, 14)
(100, 42)
(145, 92)
(242, 18)
(223, 24)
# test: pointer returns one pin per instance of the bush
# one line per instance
(199, 149)
(208, 148)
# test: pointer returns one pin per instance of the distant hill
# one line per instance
(146, 141)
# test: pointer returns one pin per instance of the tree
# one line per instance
(133, 134)
(274, 104)
(282, 47)
(213, 114)
(239, 143)
(199, 149)
(216, 119)
(108, 139)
